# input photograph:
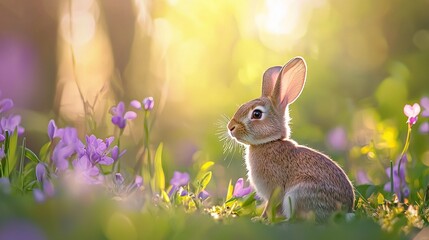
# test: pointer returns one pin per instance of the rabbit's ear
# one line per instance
(290, 82)
(269, 80)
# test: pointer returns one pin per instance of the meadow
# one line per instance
(113, 116)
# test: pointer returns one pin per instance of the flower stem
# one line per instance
(1, 169)
(6, 151)
(117, 165)
(407, 142)
(119, 150)
(21, 165)
(146, 142)
(391, 177)
(404, 151)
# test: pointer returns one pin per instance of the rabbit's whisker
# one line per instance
(229, 145)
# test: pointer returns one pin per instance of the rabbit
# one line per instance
(312, 185)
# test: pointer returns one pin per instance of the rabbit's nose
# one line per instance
(231, 128)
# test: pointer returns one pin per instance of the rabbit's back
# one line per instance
(319, 181)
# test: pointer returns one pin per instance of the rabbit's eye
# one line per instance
(256, 114)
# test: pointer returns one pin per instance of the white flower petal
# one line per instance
(416, 109)
(408, 110)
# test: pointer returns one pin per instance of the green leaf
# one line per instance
(249, 200)
(44, 151)
(29, 176)
(366, 190)
(205, 180)
(31, 155)
(12, 147)
(230, 190)
(28, 187)
(159, 172)
(273, 204)
(231, 200)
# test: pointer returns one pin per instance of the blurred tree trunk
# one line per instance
(120, 18)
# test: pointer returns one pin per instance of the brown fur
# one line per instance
(315, 185)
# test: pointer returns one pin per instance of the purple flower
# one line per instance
(66, 147)
(138, 181)
(114, 153)
(136, 104)
(337, 139)
(180, 179)
(86, 157)
(41, 176)
(52, 130)
(97, 150)
(183, 193)
(38, 195)
(425, 104)
(424, 128)
(48, 187)
(5, 105)
(239, 190)
(120, 117)
(67, 135)
(40, 171)
(11, 123)
(203, 195)
(400, 187)
(2, 137)
(61, 154)
(412, 112)
(2, 153)
(148, 104)
(119, 179)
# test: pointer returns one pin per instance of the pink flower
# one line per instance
(412, 112)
